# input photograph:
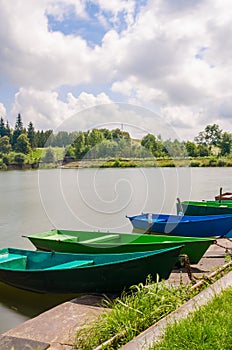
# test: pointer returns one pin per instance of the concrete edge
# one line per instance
(154, 333)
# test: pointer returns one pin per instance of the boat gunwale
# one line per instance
(141, 255)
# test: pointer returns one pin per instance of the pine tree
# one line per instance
(18, 130)
(8, 131)
(23, 145)
(31, 135)
(2, 128)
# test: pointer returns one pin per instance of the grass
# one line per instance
(206, 329)
(135, 311)
(152, 162)
(132, 313)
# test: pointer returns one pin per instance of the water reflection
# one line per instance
(23, 305)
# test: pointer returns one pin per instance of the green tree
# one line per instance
(19, 159)
(8, 131)
(211, 136)
(5, 146)
(18, 130)
(49, 156)
(203, 150)
(61, 139)
(174, 148)
(94, 137)
(31, 135)
(80, 145)
(149, 142)
(226, 144)
(2, 127)
(118, 134)
(42, 138)
(191, 149)
(22, 144)
(107, 134)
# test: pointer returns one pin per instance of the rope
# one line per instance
(187, 265)
(227, 250)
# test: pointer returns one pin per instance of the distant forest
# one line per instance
(17, 143)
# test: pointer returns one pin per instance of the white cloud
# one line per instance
(2, 110)
(172, 56)
(60, 9)
(47, 110)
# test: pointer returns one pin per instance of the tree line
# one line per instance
(100, 143)
(24, 139)
(104, 143)
(211, 141)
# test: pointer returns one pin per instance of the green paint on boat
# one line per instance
(54, 272)
(199, 208)
(86, 242)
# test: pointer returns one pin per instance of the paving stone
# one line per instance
(59, 325)
(9, 343)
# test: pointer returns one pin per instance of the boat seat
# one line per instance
(8, 260)
(63, 238)
(71, 264)
(101, 239)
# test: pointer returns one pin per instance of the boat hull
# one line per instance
(108, 273)
(89, 243)
(205, 208)
(188, 226)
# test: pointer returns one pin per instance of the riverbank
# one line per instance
(123, 163)
(149, 163)
(56, 328)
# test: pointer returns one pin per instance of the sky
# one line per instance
(160, 66)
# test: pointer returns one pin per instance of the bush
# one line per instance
(195, 164)
(19, 158)
(221, 163)
(3, 167)
(117, 163)
(6, 160)
(212, 162)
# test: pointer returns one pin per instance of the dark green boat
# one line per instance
(199, 208)
(107, 243)
(52, 272)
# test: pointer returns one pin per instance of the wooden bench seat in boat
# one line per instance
(63, 238)
(13, 260)
(160, 220)
(71, 264)
(101, 239)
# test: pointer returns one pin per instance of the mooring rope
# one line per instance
(188, 267)
(227, 249)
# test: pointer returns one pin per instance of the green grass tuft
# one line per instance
(132, 313)
(207, 328)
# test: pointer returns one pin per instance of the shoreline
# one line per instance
(126, 163)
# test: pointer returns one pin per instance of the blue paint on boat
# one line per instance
(188, 226)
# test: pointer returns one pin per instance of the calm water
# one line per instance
(91, 199)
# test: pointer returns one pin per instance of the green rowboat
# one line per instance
(199, 208)
(52, 272)
(107, 243)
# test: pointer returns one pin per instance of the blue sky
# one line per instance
(88, 28)
(172, 58)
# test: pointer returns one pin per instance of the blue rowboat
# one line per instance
(188, 226)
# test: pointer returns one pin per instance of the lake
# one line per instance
(88, 199)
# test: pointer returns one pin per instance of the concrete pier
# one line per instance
(54, 329)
